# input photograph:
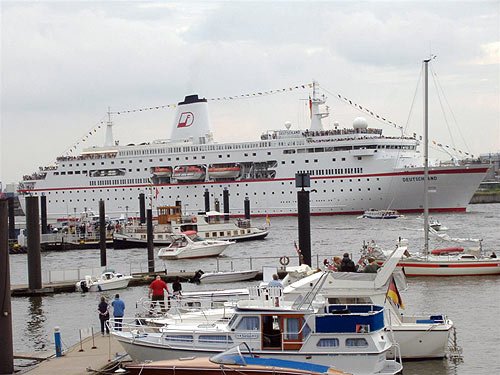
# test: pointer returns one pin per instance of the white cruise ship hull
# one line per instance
(401, 190)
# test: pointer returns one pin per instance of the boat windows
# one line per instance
(215, 339)
(248, 323)
(292, 328)
(179, 338)
(333, 342)
(356, 342)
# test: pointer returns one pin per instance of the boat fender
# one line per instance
(284, 261)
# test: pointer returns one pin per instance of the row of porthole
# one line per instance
(212, 195)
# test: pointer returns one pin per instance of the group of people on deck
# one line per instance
(345, 264)
(157, 291)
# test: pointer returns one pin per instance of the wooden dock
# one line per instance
(138, 279)
(93, 354)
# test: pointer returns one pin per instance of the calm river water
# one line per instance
(473, 303)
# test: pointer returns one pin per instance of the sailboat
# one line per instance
(444, 263)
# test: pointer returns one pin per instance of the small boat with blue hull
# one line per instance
(236, 361)
(302, 330)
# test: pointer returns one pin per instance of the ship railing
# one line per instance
(176, 308)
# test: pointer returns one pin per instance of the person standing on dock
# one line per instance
(103, 309)
(118, 311)
(157, 291)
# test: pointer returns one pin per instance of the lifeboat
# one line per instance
(188, 173)
(162, 171)
(224, 171)
(447, 250)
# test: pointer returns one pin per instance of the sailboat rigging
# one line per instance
(443, 263)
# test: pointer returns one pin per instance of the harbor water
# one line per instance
(473, 303)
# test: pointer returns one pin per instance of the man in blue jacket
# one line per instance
(118, 311)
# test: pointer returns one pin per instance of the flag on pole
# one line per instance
(310, 107)
(393, 294)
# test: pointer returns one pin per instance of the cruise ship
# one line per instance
(351, 170)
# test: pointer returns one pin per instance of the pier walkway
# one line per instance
(76, 361)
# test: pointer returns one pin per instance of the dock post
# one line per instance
(207, 200)
(247, 208)
(6, 343)
(33, 232)
(225, 198)
(58, 342)
(12, 219)
(43, 213)
(149, 236)
(304, 218)
(142, 208)
(102, 232)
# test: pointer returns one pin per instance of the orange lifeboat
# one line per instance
(189, 173)
(224, 171)
(162, 171)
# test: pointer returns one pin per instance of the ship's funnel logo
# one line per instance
(185, 119)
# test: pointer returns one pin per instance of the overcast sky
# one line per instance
(64, 63)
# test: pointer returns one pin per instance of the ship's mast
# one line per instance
(314, 104)
(426, 157)
(109, 131)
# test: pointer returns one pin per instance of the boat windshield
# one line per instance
(233, 356)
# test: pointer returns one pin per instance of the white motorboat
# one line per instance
(420, 336)
(320, 333)
(109, 280)
(381, 214)
(190, 245)
(227, 276)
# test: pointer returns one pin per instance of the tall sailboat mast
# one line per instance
(426, 156)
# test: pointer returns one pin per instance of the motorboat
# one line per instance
(227, 276)
(190, 245)
(435, 224)
(381, 214)
(109, 280)
(299, 330)
(212, 225)
(419, 335)
(238, 360)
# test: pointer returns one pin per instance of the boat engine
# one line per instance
(83, 286)
(196, 277)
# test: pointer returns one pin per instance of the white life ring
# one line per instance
(284, 260)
